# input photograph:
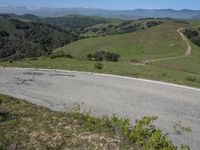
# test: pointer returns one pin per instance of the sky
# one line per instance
(108, 4)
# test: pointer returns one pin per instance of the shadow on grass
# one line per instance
(7, 116)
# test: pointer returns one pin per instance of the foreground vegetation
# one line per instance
(27, 126)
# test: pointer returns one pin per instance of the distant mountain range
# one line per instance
(121, 14)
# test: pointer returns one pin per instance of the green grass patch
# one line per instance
(158, 71)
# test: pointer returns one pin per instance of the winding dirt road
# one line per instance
(186, 41)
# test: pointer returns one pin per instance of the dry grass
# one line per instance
(27, 126)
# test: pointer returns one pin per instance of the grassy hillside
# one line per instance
(155, 42)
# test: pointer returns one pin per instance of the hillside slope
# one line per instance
(155, 42)
(19, 39)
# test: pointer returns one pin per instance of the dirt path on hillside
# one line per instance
(188, 50)
(186, 41)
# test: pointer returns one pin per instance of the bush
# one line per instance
(20, 25)
(103, 55)
(4, 34)
(190, 32)
(144, 134)
(89, 56)
(153, 23)
(10, 61)
(112, 57)
(196, 40)
(193, 34)
(98, 66)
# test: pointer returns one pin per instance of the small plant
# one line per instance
(11, 61)
(179, 128)
(185, 147)
(145, 134)
(98, 66)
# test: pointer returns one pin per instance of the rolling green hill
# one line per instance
(161, 43)
(151, 43)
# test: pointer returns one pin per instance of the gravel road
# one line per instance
(107, 95)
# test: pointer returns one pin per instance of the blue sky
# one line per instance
(108, 4)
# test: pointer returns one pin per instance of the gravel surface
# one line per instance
(108, 95)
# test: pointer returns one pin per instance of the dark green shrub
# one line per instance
(193, 34)
(89, 56)
(22, 25)
(190, 32)
(112, 57)
(144, 134)
(196, 40)
(10, 61)
(4, 34)
(98, 66)
(153, 23)
(69, 56)
(103, 55)
(110, 26)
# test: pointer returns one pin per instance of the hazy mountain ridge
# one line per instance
(121, 14)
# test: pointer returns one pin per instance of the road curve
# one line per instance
(107, 95)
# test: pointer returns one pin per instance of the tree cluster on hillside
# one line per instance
(124, 27)
(103, 55)
(19, 39)
(193, 34)
(74, 23)
(111, 29)
(153, 23)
